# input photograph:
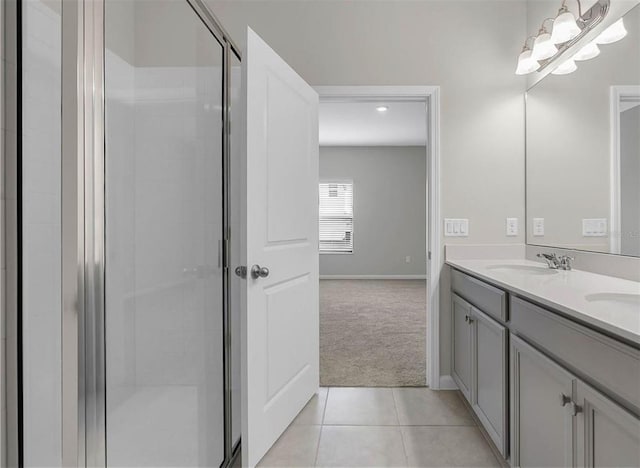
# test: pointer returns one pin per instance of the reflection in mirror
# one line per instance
(626, 216)
(583, 152)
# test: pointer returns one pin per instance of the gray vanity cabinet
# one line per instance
(541, 411)
(480, 367)
(489, 377)
(461, 324)
(607, 434)
(549, 391)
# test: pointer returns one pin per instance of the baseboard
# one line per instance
(447, 383)
(370, 277)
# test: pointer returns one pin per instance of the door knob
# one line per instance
(241, 271)
(564, 399)
(259, 272)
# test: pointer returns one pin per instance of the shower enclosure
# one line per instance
(128, 316)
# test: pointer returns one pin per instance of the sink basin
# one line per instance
(529, 269)
(618, 298)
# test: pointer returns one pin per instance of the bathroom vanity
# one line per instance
(549, 361)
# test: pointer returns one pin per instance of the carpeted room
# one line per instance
(372, 289)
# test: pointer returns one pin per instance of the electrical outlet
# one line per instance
(456, 227)
(512, 226)
(407, 259)
(538, 227)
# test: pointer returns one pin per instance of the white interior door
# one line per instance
(281, 334)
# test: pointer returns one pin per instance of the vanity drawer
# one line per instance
(489, 299)
(596, 357)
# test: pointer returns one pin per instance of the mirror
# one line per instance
(583, 151)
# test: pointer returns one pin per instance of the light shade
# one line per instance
(526, 64)
(543, 47)
(565, 28)
(587, 52)
(568, 66)
(613, 33)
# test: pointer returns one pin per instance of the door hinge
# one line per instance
(429, 255)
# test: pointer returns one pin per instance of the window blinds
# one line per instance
(336, 217)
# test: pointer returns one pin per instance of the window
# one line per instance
(336, 217)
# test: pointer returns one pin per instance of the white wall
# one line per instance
(468, 48)
(389, 201)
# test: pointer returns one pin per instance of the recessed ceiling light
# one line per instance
(382, 108)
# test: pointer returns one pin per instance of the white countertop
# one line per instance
(608, 303)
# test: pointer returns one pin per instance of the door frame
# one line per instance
(430, 95)
(618, 95)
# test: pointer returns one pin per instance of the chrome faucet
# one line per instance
(554, 262)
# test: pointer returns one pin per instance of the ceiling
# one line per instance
(360, 124)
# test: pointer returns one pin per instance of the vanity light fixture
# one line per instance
(589, 51)
(382, 108)
(565, 26)
(566, 31)
(612, 34)
(543, 46)
(568, 66)
(526, 63)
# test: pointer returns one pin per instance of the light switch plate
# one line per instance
(538, 227)
(456, 227)
(594, 227)
(512, 227)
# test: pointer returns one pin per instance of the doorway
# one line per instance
(390, 298)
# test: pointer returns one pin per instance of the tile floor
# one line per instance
(393, 427)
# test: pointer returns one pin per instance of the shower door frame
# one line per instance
(83, 230)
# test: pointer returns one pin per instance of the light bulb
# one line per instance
(587, 52)
(526, 64)
(543, 47)
(565, 27)
(612, 34)
(568, 66)
(382, 108)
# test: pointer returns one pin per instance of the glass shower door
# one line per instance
(41, 192)
(164, 223)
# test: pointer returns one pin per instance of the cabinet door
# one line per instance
(489, 389)
(607, 434)
(541, 412)
(461, 324)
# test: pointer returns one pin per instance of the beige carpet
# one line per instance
(372, 333)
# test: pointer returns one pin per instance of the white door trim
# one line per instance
(431, 96)
(618, 94)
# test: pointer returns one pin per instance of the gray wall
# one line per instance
(389, 209)
(630, 181)
(468, 48)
